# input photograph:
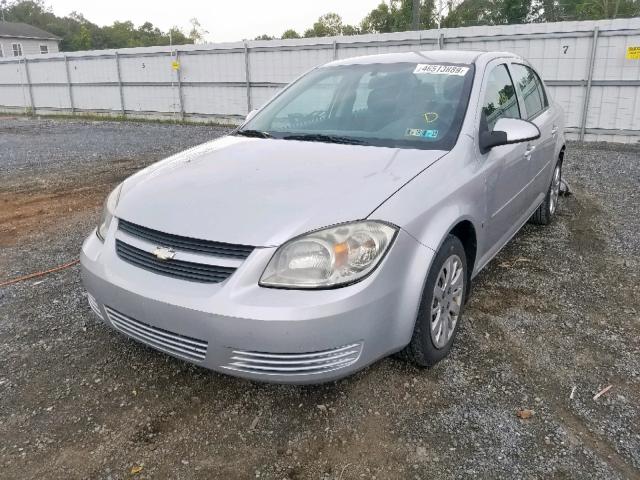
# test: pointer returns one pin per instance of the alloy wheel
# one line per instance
(447, 301)
(554, 192)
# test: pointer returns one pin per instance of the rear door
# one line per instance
(534, 105)
(506, 167)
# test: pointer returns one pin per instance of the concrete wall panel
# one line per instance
(51, 96)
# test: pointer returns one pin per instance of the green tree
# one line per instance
(81, 39)
(497, 12)
(350, 30)
(177, 37)
(549, 11)
(290, 34)
(592, 9)
(379, 20)
(197, 33)
(397, 17)
(468, 13)
(328, 25)
(264, 36)
(513, 11)
(78, 33)
(119, 35)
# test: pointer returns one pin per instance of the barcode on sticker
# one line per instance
(441, 69)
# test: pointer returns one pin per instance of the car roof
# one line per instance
(427, 56)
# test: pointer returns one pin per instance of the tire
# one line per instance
(547, 209)
(426, 348)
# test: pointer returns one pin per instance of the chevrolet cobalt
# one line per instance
(342, 222)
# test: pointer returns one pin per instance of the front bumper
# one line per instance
(239, 328)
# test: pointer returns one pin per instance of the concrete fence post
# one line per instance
(587, 93)
(441, 41)
(122, 109)
(29, 86)
(247, 76)
(179, 75)
(69, 87)
(335, 49)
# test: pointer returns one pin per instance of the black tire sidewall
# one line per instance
(425, 351)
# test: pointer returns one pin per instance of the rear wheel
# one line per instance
(441, 305)
(548, 207)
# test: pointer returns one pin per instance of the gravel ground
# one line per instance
(557, 309)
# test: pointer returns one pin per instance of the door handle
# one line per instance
(529, 151)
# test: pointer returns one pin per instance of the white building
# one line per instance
(18, 39)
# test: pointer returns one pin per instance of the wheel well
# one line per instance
(466, 233)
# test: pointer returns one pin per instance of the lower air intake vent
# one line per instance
(261, 363)
(173, 343)
(94, 305)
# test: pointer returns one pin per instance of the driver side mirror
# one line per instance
(507, 131)
(251, 114)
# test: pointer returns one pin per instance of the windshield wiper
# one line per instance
(254, 133)
(320, 137)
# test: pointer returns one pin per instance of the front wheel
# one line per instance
(548, 207)
(441, 306)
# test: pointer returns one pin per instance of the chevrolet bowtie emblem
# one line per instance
(164, 253)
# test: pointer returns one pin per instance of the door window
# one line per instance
(499, 99)
(530, 89)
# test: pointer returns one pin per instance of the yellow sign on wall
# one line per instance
(175, 65)
(633, 53)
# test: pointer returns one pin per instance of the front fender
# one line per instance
(450, 191)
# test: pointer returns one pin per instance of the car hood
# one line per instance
(262, 192)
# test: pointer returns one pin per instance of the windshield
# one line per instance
(404, 105)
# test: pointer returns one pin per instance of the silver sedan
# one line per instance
(342, 222)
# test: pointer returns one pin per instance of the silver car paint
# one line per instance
(309, 186)
(495, 191)
(262, 192)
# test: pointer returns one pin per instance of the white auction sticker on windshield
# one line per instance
(441, 69)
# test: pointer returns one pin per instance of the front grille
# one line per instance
(195, 272)
(188, 244)
(169, 342)
(261, 363)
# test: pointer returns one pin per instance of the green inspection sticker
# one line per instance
(419, 132)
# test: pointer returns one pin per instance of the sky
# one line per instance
(226, 21)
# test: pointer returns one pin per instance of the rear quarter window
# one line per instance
(530, 89)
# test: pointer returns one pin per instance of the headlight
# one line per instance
(107, 212)
(330, 257)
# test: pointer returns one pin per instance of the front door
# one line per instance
(507, 173)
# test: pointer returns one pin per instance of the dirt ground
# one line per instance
(557, 310)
